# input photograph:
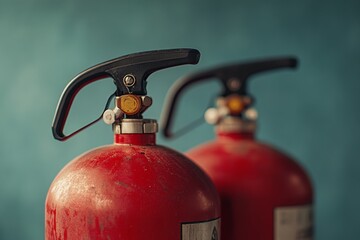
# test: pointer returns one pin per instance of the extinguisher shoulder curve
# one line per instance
(232, 165)
(160, 172)
(285, 155)
(192, 165)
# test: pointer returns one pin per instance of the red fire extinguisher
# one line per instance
(265, 194)
(133, 189)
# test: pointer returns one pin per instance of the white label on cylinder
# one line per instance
(294, 223)
(209, 230)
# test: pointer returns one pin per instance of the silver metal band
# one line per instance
(235, 124)
(126, 126)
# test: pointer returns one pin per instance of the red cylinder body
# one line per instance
(265, 195)
(132, 190)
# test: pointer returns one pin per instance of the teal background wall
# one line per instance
(312, 113)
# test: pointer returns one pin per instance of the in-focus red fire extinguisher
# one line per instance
(133, 189)
(264, 193)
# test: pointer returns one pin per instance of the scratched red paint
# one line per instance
(131, 190)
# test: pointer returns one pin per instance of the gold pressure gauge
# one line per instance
(129, 104)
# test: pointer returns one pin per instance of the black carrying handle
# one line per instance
(139, 65)
(240, 71)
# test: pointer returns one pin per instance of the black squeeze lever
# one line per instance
(233, 78)
(129, 74)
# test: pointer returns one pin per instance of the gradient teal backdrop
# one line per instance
(311, 113)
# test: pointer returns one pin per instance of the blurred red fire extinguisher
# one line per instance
(265, 194)
(133, 189)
